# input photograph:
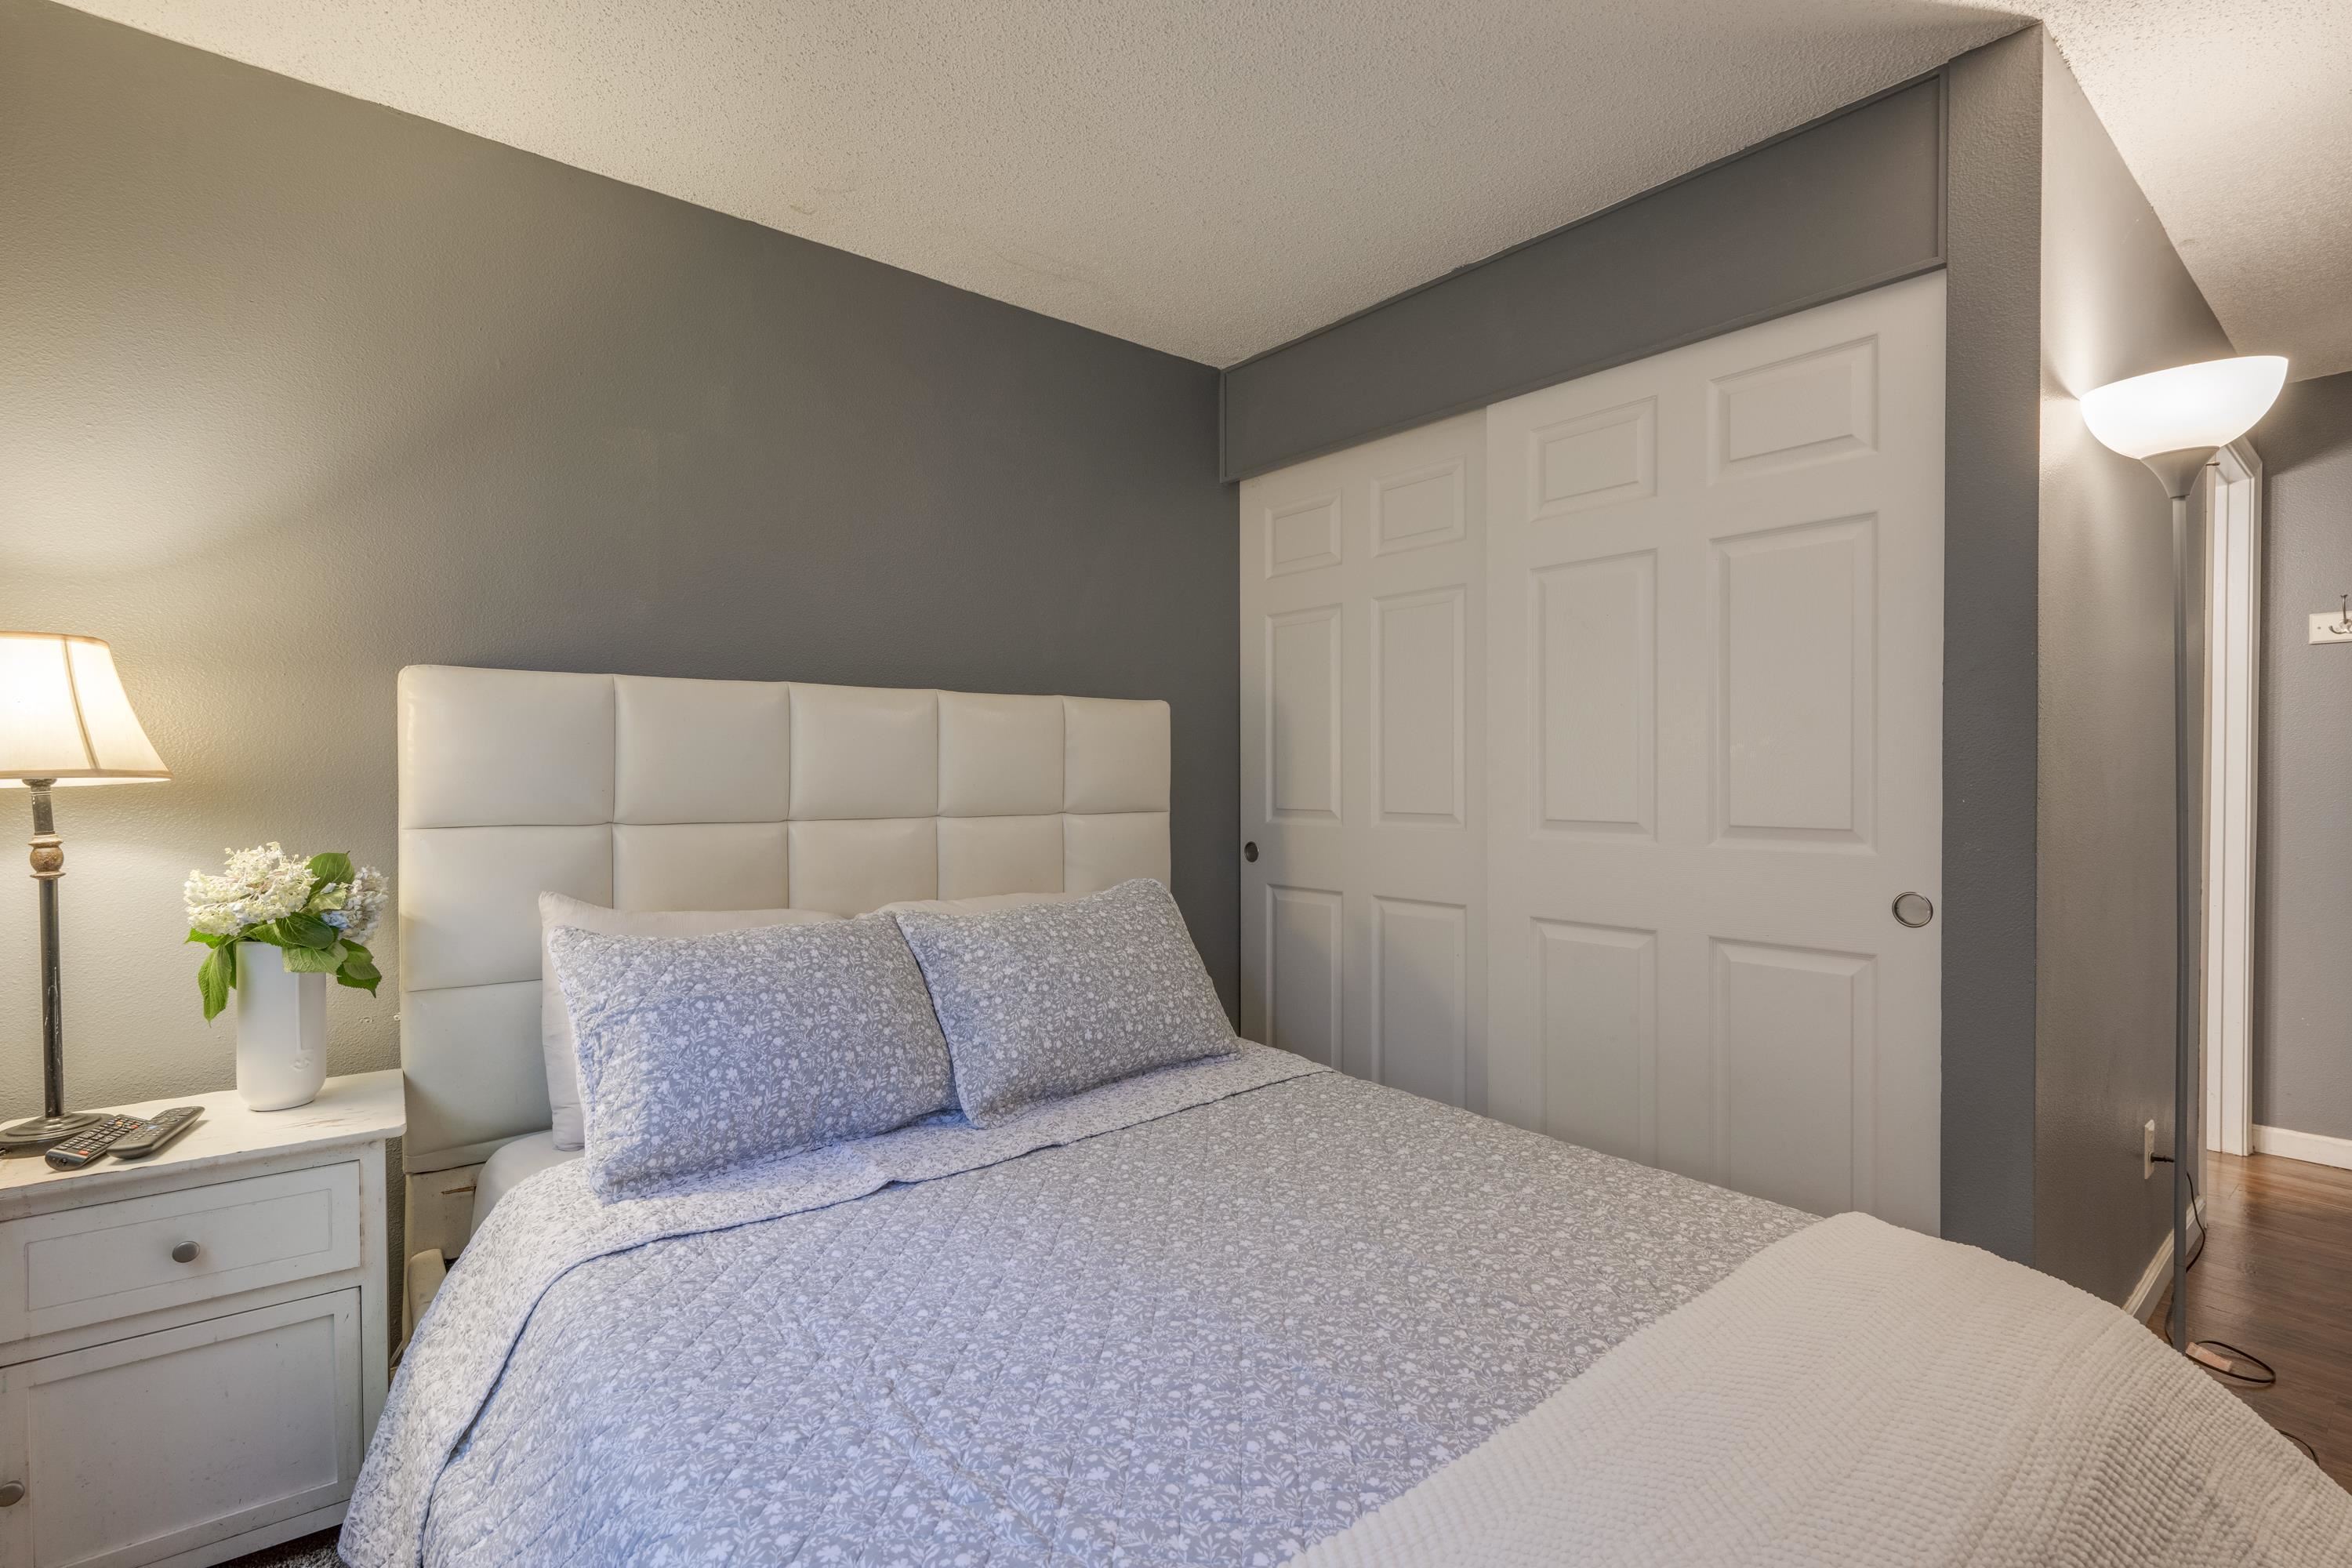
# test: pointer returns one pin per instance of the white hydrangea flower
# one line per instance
(258, 885)
(362, 906)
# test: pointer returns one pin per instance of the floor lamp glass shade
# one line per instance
(64, 715)
(2191, 408)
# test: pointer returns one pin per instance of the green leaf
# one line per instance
(334, 866)
(314, 960)
(359, 971)
(216, 977)
(207, 940)
(307, 930)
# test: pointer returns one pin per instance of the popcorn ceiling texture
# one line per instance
(1210, 177)
(2235, 118)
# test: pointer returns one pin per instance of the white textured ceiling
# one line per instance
(1213, 178)
(2236, 117)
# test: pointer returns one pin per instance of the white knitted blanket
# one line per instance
(1860, 1394)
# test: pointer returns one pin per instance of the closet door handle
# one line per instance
(1249, 852)
(1914, 910)
(10, 1493)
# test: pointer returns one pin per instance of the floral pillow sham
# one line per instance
(559, 1050)
(702, 1053)
(1053, 998)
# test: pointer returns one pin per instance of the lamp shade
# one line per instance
(2189, 409)
(64, 714)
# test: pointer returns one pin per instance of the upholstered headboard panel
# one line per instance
(674, 794)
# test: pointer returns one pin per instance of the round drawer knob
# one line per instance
(185, 1252)
(10, 1493)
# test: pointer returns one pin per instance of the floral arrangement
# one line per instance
(320, 910)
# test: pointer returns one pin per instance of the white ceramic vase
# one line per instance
(281, 1030)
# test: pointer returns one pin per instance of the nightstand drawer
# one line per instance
(174, 1442)
(117, 1259)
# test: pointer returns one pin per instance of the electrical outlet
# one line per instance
(2148, 1151)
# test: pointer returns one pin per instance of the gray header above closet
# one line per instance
(1843, 204)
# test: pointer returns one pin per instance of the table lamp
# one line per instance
(64, 720)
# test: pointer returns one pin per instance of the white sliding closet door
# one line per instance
(1716, 692)
(1362, 657)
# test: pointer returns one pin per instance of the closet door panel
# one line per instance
(1363, 774)
(1715, 672)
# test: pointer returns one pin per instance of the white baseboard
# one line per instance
(2317, 1147)
(2157, 1274)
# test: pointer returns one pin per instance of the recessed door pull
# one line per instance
(1914, 909)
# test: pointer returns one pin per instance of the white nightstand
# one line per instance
(192, 1347)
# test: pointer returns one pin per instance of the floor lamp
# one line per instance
(2175, 421)
(64, 720)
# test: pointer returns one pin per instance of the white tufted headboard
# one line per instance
(715, 795)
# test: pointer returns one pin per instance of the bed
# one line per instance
(1239, 1309)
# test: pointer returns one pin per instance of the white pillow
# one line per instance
(558, 1044)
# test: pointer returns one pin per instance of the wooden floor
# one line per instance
(2276, 1280)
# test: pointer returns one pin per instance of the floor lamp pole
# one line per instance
(2186, 841)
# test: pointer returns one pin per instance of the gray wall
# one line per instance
(300, 390)
(1991, 572)
(2115, 301)
(1841, 205)
(2303, 938)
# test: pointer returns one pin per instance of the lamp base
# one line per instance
(42, 1132)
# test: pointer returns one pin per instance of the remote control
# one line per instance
(88, 1144)
(149, 1137)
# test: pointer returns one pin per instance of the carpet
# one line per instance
(302, 1552)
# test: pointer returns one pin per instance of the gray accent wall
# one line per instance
(298, 390)
(2303, 935)
(2115, 301)
(1991, 577)
(1846, 204)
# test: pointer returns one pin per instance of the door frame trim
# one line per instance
(2233, 633)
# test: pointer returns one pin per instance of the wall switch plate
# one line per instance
(2327, 626)
(2148, 1151)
